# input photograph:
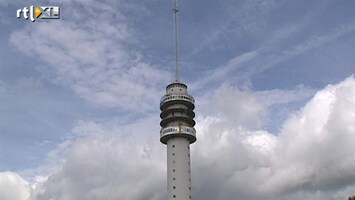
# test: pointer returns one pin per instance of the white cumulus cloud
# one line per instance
(13, 187)
(310, 158)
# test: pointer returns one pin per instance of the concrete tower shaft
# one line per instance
(178, 132)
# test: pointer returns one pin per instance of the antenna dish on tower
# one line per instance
(176, 38)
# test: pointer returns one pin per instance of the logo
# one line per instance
(39, 12)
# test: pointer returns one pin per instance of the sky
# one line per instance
(273, 82)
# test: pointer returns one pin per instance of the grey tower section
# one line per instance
(178, 132)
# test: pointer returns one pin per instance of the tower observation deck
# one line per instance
(177, 130)
(177, 113)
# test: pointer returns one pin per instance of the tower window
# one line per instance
(173, 154)
(173, 146)
(173, 170)
(174, 196)
(174, 187)
(174, 179)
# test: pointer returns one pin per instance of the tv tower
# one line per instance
(177, 132)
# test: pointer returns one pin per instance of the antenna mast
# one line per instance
(176, 37)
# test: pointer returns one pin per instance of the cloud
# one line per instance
(320, 137)
(278, 46)
(238, 109)
(222, 71)
(243, 18)
(312, 154)
(310, 158)
(278, 96)
(93, 57)
(117, 165)
(13, 187)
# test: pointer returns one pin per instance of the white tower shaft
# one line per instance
(179, 176)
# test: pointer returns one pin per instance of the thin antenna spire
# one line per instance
(176, 37)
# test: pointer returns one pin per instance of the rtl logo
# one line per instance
(42, 12)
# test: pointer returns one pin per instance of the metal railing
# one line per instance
(183, 97)
(177, 130)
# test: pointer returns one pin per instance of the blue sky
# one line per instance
(70, 88)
